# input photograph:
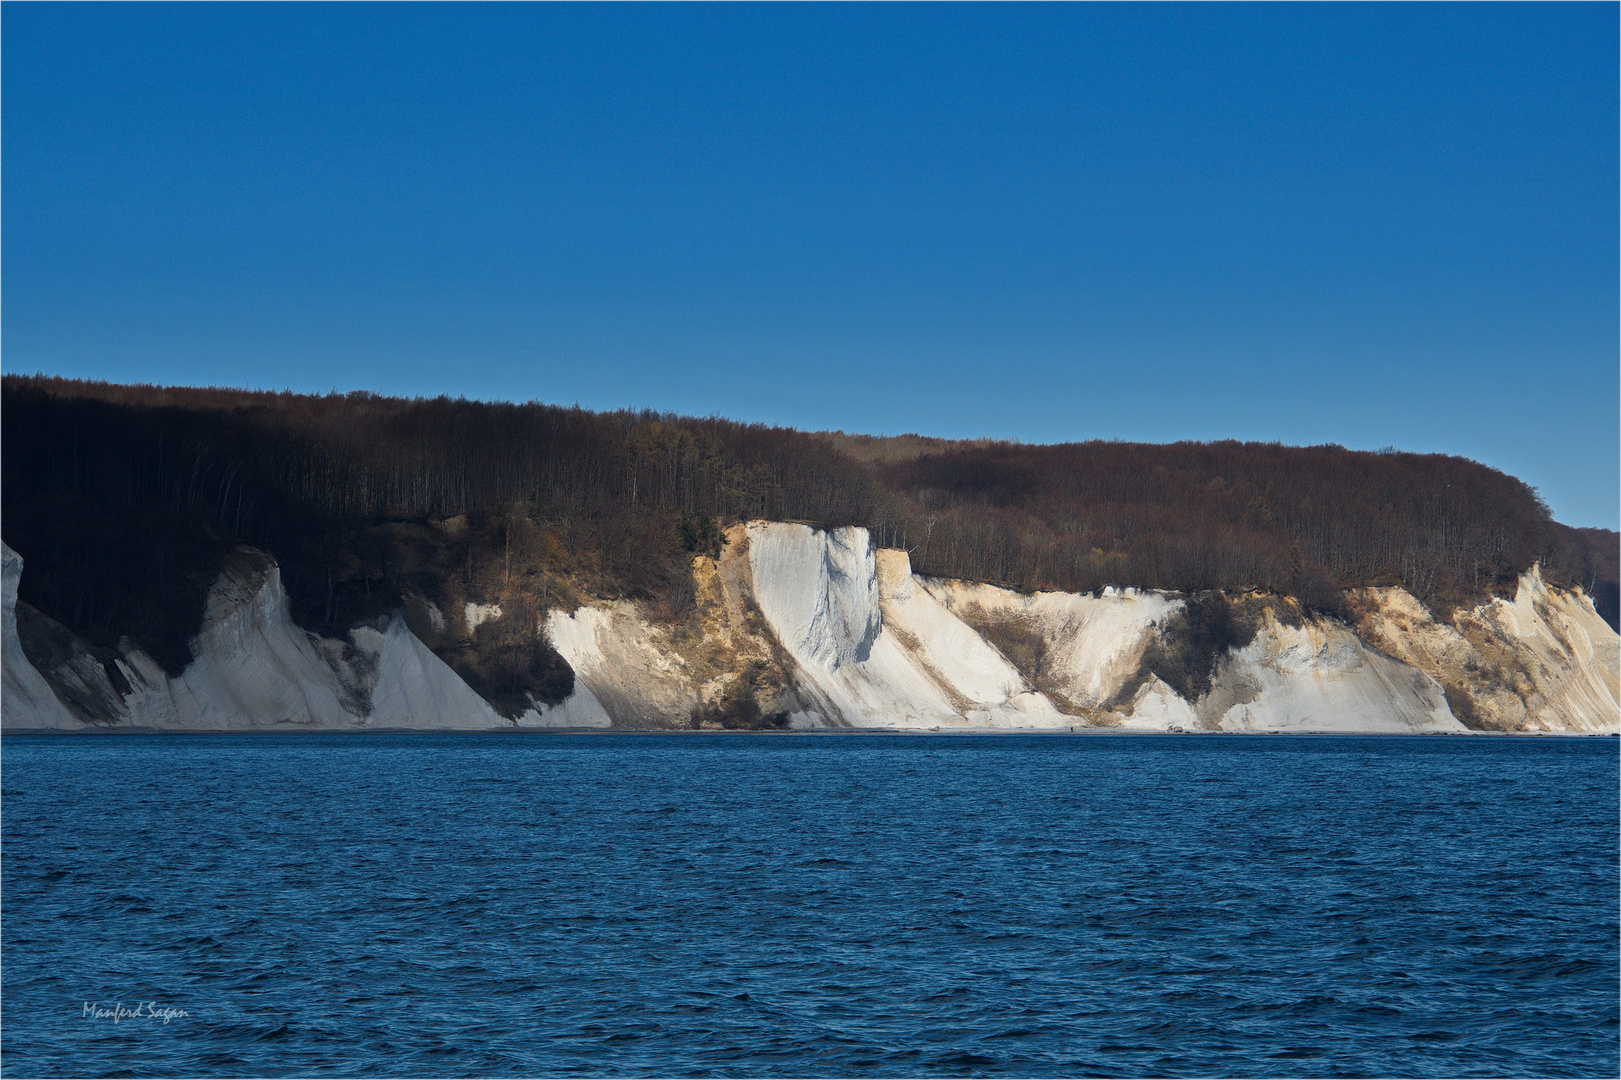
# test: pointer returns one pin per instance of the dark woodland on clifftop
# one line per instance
(125, 502)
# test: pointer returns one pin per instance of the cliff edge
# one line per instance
(793, 627)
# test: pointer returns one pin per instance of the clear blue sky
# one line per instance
(1372, 225)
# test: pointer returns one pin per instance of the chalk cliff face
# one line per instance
(1085, 651)
(253, 668)
(1319, 677)
(1079, 650)
(875, 649)
(1544, 661)
(26, 699)
(794, 627)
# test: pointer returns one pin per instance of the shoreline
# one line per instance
(1081, 732)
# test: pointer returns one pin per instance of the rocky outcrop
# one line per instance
(875, 649)
(625, 664)
(796, 627)
(1077, 649)
(1086, 652)
(253, 668)
(1319, 676)
(719, 666)
(856, 639)
(1543, 661)
(26, 699)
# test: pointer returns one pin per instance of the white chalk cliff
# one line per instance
(26, 699)
(253, 668)
(1317, 676)
(873, 647)
(813, 628)
(1544, 661)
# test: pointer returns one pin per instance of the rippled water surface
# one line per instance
(446, 905)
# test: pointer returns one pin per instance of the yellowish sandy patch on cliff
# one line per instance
(1543, 661)
(717, 666)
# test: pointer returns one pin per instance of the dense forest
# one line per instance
(125, 501)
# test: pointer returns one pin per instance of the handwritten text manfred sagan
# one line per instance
(143, 1010)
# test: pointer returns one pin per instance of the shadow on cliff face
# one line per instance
(1192, 641)
(1607, 601)
(87, 679)
(506, 658)
(511, 669)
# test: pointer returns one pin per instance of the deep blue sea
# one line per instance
(841, 905)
